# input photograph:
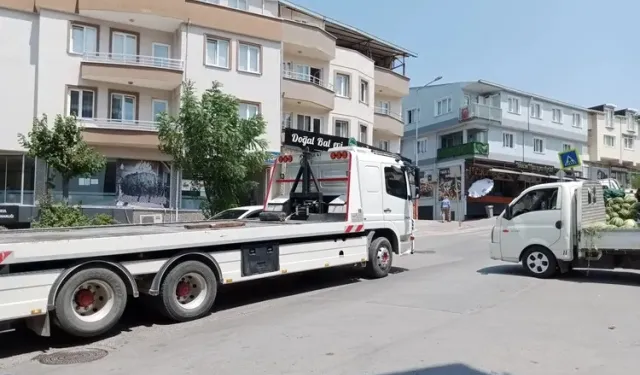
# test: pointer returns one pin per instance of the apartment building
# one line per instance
(116, 65)
(341, 81)
(474, 130)
(613, 152)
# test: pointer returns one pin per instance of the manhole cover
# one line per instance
(72, 357)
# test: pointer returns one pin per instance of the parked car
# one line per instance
(245, 212)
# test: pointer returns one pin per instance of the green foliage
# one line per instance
(211, 143)
(62, 148)
(635, 181)
(61, 215)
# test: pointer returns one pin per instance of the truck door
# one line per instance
(394, 201)
(535, 218)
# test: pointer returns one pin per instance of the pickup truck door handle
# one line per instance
(559, 224)
(387, 210)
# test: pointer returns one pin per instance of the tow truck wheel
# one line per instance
(540, 262)
(188, 291)
(90, 302)
(380, 258)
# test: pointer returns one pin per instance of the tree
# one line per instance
(209, 141)
(63, 149)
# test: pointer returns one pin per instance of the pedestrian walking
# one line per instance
(445, 208)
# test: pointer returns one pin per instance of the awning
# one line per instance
(498, 170)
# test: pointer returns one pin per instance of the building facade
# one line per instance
(613, 152)
(116, 65)
(473, 130)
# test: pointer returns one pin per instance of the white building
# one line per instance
(487, 130)
(116, 65)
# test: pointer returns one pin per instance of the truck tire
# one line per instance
(90, 302)
(188, 291)
(380, 258)
(539, 262)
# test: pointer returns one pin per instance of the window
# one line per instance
(158, 107)
(536, 110)
(556, 115)
(217, 53)
(507, 140)
(161, 54)
(383, 145)
(411, 116)
(363, 134)
(443, 106)
(514, 105)
(249, 58)
(631, 124)
(422, 146)
(343, 85)
(287, 120)
(609, 140)
(384, 107)
(577, 120)
(81, 103)
(124, 46)
(467, 100)
(248, 110)
(534, 201)
(364, 91)
(84, 39)
(341, 128)
(308, 123)
(538, 145)
(395, 182)
(608, 118)
(123, 107)
(238, 4)
(567, 147)
(628, 142)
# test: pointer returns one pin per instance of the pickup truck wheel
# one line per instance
(188, 291)
(380, 258)
(540, 262)
(90, 302)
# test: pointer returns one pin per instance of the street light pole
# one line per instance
(419, 115)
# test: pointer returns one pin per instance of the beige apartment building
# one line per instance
(117, 64)
(613, 151)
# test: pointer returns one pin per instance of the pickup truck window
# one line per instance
(396, 182)
(536, 200)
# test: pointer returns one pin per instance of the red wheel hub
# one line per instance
(385, 257)
(183, 289)
(84, 298)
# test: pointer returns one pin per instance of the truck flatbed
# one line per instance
(57, 244)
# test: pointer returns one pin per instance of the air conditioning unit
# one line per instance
(151, 219)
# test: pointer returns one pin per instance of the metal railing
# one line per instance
(136, 60)
(304, 77)
(106, 123)
(475, 110)
(388, 112)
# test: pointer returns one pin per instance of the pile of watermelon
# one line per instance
(622, 210)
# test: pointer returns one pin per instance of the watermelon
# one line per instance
(607, 217)
(614, 214)
(616, 207)
(629, 198)
(626, 206)
(629, 223)
(624, 214)
(618, 222)
(609, 210)
(618, 200)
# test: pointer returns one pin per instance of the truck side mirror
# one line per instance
(417, 192)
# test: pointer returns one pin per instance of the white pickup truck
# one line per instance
(555, 227)
(348, 206)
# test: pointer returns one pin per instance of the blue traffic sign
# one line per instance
(569, 159)
(271, 157)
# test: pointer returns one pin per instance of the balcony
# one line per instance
(304, 91)
(388, 122)
(479, 111)
(390, 83)
(136, 125)
(463, 150)
(308, 41)
(142, 71)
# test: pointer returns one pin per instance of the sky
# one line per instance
(582, 52)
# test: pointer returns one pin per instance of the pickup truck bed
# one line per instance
(612, 240)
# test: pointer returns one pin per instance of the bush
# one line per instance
(59, 215)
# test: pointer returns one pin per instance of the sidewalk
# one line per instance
(437, 227)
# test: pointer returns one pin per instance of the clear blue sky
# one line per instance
(584, 52)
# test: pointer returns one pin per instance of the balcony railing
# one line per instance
(304, 77)
(135, 60)
(388, 112)
(480, 111)
(106, 123)
(466, 149)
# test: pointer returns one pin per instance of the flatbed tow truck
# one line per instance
(343, 207)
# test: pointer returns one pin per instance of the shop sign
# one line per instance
(536, 168)
(9, 214)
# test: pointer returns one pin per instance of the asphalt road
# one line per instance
(448, 309)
